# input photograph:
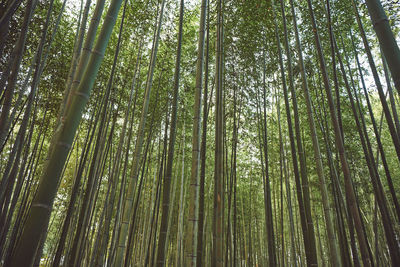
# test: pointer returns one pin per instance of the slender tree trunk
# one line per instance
(386, 39)
(377, 186)
(203, 147)
(164, 228)
(192, 225)
(127, 207)
(333, 248)
(266, 178)
(218, 227)
(309, 245)
(340, 146)
(11, 73)
(39, 214)
(394, 134)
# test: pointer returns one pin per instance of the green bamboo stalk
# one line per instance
(350, 194)
(132, 98)
(38, 217)
(263, 147)
(11, 73)
(392, 130)
(386, 39)
(77, 69)
(282, 161)
(8, 11)
(218, 224)
(192, 224)
(310, 248)
(301, 152)
(162, 244)
(127, 207)
(203, 147)
(366, 145)
(333, 248)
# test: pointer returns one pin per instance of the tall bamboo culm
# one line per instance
(39, 214)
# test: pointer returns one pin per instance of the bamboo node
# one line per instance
(40, 205)
(110, 17)
(64, 144)
(94, 51)
(376, 23)
(95, 18)
(83, 95)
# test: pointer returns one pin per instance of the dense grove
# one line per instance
(199, 133)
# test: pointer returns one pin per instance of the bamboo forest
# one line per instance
(199, 133)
